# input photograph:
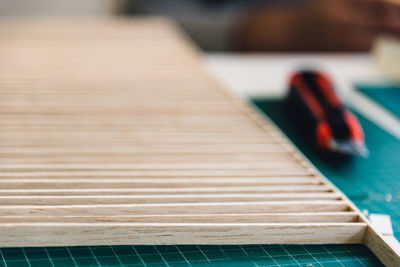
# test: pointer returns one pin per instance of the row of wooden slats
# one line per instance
(111, 132)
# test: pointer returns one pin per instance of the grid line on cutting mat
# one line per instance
(181, 255)
(112, 133)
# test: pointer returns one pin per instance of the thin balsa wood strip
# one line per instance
(177, 208)
(150, 199)
(112, 133)
(20, 167)
(107, 183)
(97, 140)
(268, 173)
(147, 135)
(116, 111)
(201, 233)
(128, 127)
(37, 142)
(159, 149)
(270, 190)
(58, 120)
(117, 158)
(317, 217)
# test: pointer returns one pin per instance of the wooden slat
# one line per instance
(269, 190)
(388, 253)
(42, 234)
(35, 199)
(112, 133)
(176, 208)
(147, 166)
(316, 217)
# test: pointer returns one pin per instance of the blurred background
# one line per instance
(252, 25)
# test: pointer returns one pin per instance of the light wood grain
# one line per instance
(175, 208)
(309, 217)
(40, 234)
(64, 199)
(387, 254)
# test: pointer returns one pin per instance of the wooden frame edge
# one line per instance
(389, 254)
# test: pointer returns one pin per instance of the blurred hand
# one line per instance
(320, 25)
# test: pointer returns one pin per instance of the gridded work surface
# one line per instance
(111, 133)
(371, 183)
(387, 96)
(191, 255)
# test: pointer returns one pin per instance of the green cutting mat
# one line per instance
(372, 183)
(189, 255)
(386, 96)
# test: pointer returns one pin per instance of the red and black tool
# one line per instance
(319, 112)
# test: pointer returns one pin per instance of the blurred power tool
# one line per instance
(319, 113)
